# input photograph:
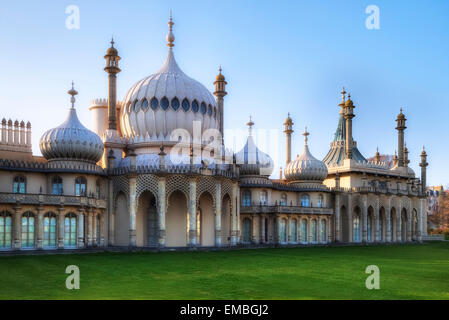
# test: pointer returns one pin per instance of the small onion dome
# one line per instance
(288, 121)
(71, 140)
(220, 77)
(349, 102)
(306, 167)
(252, 161)
(112, 51)
(401, 115)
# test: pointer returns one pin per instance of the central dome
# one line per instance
(164, 101)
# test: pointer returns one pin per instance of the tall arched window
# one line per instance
(5, 230)
(80, 186)
(323, 234)
(246, 198)
(70, 230)
(49, 230)
(305, 200)
(283, 230)
(304, 233)
(263, 198)
(28, 230)
(19, 184)
(293, 230)
(314, 231)
(98, 189)
(356, 228)
(246, 230)
(320, 201)
(283, 199)
(57, 185)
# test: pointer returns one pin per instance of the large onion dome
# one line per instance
(164, 101)
(252, 161)
(71, 140)
(306, 168)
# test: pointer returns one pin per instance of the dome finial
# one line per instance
(112, 41)
(73, 93)
(343, 93)
(170, 36)
(305, 134)
(250, 124)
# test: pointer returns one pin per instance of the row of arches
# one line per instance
(304, 200)
(390, 226)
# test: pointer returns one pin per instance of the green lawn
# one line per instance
(406, 272)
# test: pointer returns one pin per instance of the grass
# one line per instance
(406, 272)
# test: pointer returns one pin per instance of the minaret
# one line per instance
(288, 129)
(348, 114)
(112, 59)
(220, 92)
(423, 164)
(377, 156)
(406, 160)
(395, 159)
(401, 127)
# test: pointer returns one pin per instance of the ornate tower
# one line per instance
(288, 129)
(348, 114)
(400, 120)
(423, 164)
(112, 59)
(220, 92)
(377, 156)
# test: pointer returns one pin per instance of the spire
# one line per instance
(305, 134)
(250, 124)
(170, 36)
(73, 93)
(343, 95)
(112, 42)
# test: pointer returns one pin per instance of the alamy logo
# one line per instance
(372, 22)
(73, 280)
(373, 280)
(73, 20)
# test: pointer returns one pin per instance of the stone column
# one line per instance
(111, 213)
(421, 212)
(277, 234)
(94, 228)
(218, 213)
(253, 228)
(364, 217)
(132, 210)
(376, 220)
(161, 209)
(399, 221)
(328, 230)
(17, 227)
(337, 217)
(40, 227)
(235, 216)
(89, 228)
(80, 228)
(309, 230)
(262, 229)
(102, 229)
(61, 228)
(192, 212)
(288, 228)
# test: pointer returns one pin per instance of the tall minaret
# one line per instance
(288, 129)
(220, 92)
(349, 114)
(401, 127)
(112, 59)
(423, 164)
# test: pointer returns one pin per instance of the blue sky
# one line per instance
(277, 56)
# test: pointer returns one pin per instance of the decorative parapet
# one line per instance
(267, 209)
(47, 199)
(15, 136)
(52, 166)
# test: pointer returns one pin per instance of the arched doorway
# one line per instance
(414, 225)
(226, 220)
(147, 224)
(206, 227)
(323, 231)
(344, 228)
(314, 231)
(393, 225)
(176, 220)
(121, 220)
(404, 225)
(246, 230)
(382, 225)
(283, 230)
(356, 225)
(293, 231)
(370, 229)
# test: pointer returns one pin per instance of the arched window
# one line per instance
(263, 198)
(209, 110)
(19, 184)
(49, 230)
(320, 202)
(203, 108)
(314, 231)
(28, 230)
(98, 189)
(136, 106)
(80, 187)
(356, 228)
(145, 104)
(195, 106)
(368, 228)
(293, 231)
(185, 105)
(5, 229)
(70, 230)
(304, 232)
(283, 230)
(246, 198)
(154, 103)
(323, 231)
(164, 103)
(283, 199)
(246, 230)
(305, 200)
(175, 103)
(57, 185)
